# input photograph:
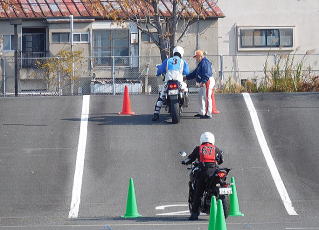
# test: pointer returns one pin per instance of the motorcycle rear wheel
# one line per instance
(175, 112)
(225, 202)
(226, 205)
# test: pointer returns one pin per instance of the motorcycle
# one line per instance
(216, 185)
(175, 100)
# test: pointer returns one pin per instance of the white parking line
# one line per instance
(77, 182)
(162, 207)
(269, 159)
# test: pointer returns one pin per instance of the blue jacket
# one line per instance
(161, 69)
(202, 72)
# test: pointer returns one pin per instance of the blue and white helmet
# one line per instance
(207, 137)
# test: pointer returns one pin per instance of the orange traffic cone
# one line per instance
(126, 108)
(215, 111)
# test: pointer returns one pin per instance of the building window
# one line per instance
(61, 37)
(256, 38)
(111, 43)
(8, 42)
(286, 37)
(33, 46)
(81, 37)
(145, 37)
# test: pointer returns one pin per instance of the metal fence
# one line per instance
(109, 75)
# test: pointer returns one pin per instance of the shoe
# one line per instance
(193, 216)
(155, 117)
(206, 117)
(198, 115)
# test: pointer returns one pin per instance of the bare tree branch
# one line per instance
(189, 23)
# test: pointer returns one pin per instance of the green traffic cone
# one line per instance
(212, 214)
(131, 206)
(220, 218)
(234, 206)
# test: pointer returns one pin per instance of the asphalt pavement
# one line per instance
(39, 141)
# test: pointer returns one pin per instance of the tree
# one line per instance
(158, 18)
(62, 69)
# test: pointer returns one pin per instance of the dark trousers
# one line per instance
(201, 178)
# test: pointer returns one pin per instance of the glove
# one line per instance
(183, 162)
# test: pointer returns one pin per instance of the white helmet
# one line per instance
(207, 137)
(178, 49)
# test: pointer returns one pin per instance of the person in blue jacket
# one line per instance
(173, 68)
(203, 75)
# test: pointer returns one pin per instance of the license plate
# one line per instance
(225, 191)
(173, 92)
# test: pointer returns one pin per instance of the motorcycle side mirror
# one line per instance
(182, 154)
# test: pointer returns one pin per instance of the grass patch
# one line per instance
(285, 75)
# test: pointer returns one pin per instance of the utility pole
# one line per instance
(15, 23)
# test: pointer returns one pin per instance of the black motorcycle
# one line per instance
(175, 100)
(216, 185)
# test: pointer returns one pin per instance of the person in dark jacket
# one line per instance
(209, 157)
(203, 74)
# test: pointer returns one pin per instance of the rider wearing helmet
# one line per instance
(209, 157)
(174, 68)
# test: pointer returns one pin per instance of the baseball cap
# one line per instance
(198, 53)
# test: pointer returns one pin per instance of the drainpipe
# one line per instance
(91, 51)
(71, 34)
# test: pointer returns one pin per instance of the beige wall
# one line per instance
(207, 39)
(54, 48)
(302, 15)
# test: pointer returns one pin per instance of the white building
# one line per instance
(255, 27)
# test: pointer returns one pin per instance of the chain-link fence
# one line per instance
(109, 75)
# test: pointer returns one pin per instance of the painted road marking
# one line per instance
(177, 213)
(162, 207)
(77, 182)
(269, 159)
